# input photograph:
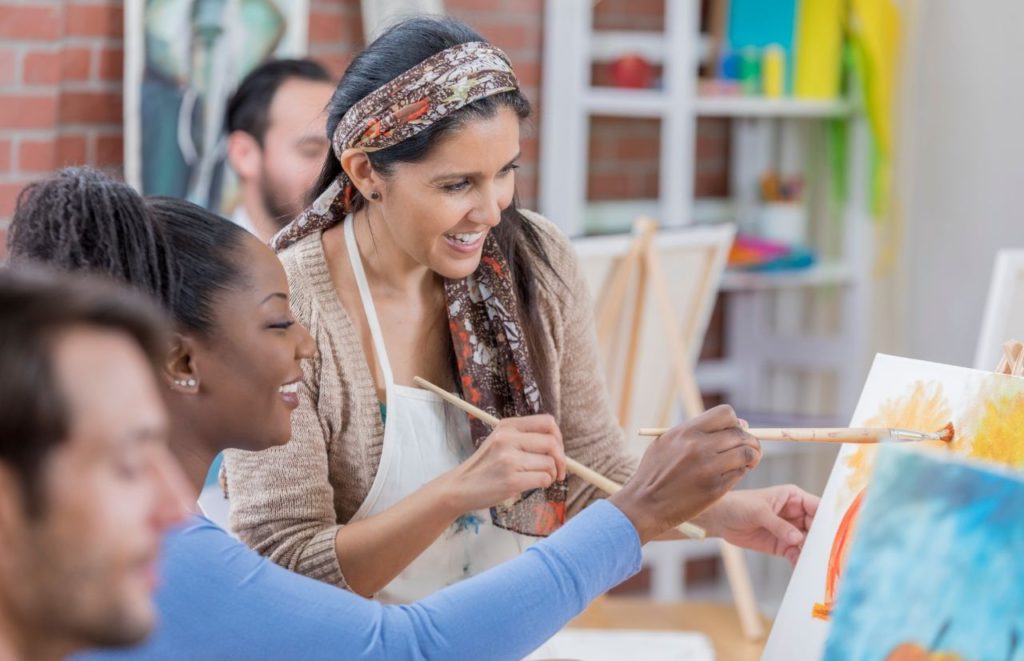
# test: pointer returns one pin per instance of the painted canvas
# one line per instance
(987, 411)
(183, 59)
(935, 571)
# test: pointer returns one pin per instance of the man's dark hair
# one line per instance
(249, 107)
(36, 308)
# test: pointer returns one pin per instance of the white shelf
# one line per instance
(622, 102)
(814, 276)
(748, 106)
(608, 45)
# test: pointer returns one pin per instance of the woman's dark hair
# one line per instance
(172, 250)
(82, 220)
(395, 51)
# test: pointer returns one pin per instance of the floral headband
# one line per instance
(399, 109)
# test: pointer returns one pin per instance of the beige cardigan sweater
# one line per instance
(289, 501)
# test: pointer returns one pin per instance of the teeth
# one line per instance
(289, 388)
(466, 238)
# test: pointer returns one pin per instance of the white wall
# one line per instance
(962, 168)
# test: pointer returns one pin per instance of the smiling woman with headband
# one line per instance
(413, 259)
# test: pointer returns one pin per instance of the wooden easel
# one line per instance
(642, 267)
(1012, 362)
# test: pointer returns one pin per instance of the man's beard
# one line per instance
(279, 208)
(73, 595)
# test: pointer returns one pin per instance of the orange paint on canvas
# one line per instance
(923, 407)
(837, 558)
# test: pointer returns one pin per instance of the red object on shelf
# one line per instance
(632, 71)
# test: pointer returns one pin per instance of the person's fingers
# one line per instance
(745, 449)
(527, 480)
(793, 507)
(810, 503)
(539, 463)
(716, 419)
(536, 424)
(728, 479)
(800, 506)
(783, 530)
(727, 439)
(543, 444)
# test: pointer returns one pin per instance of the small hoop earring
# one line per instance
(374, 195)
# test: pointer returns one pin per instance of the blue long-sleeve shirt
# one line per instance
(221, 600)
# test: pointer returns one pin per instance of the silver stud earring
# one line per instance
(374, 195)
(186, 383)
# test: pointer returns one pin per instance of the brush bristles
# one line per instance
(946, 433)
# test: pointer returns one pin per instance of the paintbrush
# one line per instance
(588, 475)
(837, 434)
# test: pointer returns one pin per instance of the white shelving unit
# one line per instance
(572, 46)
(795, 340)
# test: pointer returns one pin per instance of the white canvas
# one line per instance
(693, 261)
(987, 411)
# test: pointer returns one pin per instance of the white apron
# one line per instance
(424, 437)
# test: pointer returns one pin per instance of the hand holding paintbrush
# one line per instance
(680, 475)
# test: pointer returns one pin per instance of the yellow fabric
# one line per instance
(819, 42)
(876, 28)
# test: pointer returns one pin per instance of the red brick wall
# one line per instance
(61, 67)
(60, 89)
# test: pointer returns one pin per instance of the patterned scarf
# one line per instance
(494, 363)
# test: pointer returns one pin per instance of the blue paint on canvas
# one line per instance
(937, 561)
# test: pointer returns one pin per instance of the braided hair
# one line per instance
(177, 253)
(82, 220)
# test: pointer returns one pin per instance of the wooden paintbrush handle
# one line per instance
(588, 475)
(610, 487)
(810, 435)
(821, 435)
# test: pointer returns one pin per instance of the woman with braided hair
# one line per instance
(235, 344)
(414, 259)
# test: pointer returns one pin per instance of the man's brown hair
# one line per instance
(36, 308)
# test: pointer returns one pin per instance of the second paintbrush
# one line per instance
(837, 434)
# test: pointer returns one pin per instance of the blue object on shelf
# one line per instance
(797, 258)
(762, 23)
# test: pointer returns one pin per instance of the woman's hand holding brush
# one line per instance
(686, 470)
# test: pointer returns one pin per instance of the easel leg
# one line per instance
(734, 561)
(689, 392)
(736, 571)
(611, 305)
(633, 347)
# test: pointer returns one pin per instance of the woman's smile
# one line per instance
(289, 393)
(466, 243)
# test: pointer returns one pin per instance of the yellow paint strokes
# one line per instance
(922, 407)
(993, 429)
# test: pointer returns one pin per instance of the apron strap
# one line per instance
(367, 300)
